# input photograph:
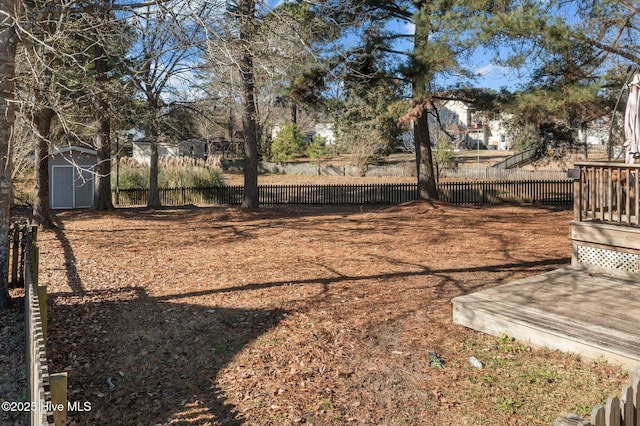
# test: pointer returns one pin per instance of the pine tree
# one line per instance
(444, 32)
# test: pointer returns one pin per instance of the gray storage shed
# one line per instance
(71, 177)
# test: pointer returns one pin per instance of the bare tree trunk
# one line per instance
(102, 190)
(41, 201)
(247, 12)
(427, 189)
(41, 120)
(8, 42)
(154, 191)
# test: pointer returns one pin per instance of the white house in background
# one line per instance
(498, 135)
(475, 127)
(71, 177)
(596, 134)
(469, 128)
(325, 130)
(194, 148)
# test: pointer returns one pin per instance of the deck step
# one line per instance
(568, 309)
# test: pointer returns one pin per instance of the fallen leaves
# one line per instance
(319, 315)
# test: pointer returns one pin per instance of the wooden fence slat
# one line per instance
(612, 416)
(636, 399)
(628, 411)
(598, 416)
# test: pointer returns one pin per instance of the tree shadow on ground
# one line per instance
(73, 277)
(514, 267)
(162, 357)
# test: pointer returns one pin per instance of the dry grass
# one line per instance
(304, 315)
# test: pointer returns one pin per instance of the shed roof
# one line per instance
(73, 148)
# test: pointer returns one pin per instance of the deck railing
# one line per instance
(607, 192)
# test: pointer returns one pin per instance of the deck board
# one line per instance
(567, 309)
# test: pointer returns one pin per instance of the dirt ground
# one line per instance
(323, 316)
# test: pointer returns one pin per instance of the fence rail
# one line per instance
(476, 192)
(607, 192)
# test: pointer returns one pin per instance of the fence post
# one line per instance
(577, 200)
(58, 388)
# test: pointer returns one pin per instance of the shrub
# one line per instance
(443, 154)
(288, 144)
(528, 137)
(317, 149)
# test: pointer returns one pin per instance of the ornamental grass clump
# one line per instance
(182, 172)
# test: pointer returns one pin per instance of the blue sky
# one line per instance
(496, 77)
(489, 75)
(492, 76)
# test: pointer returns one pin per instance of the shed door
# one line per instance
(83, 189)
(71, 187)
(62, 187)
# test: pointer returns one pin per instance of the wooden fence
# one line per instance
(619, 411)
(44, 391)
(18, 233)
(468, 192)
(35, 325)
(607, 192)
(490, 173)
(500, 192)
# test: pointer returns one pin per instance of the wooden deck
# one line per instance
(570, 309)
